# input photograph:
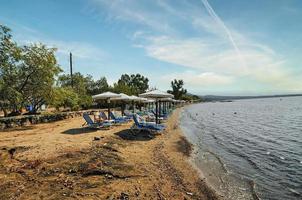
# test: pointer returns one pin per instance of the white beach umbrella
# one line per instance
(122, 97)
(157, 95)
(165, 102)
(144, 100)
(151, 100)
(135, 98)
(167, 99)
(106, 96)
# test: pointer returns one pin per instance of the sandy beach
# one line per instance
(62, 160)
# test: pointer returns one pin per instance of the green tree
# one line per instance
(177, 89)
(64, 97)
(10, 54)
(37, 71)
(98, 86)
(123, 88)
(81, 84)
(27, 73)
(137, 82)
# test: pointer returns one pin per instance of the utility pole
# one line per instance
(70, 62)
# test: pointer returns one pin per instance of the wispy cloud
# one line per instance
(227, 31)
(132, 11)
(220, 53)
(204, 79)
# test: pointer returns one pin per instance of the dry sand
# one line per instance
(62, 160)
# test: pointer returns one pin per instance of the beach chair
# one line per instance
(115, 116)
(117, 119)
(151, 117)
(113, 121)
(161, 115)
(94, 125)
(105, 118)
(152, 127)
(128, 113)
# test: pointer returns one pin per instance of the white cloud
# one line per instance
(81, 50)
(133, 11)
(220, 55)
(262, 65)
(193, 79)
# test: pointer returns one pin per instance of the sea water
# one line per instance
(248, 149)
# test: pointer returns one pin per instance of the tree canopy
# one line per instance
(134, 83)
(177, 89)
(27, 73)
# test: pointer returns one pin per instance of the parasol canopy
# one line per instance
(105, 95)
(155, 94)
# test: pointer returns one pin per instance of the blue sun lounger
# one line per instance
(146, 125)
(120, 119)
(95, 125)
(115, 122)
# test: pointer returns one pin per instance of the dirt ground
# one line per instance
(62, 160)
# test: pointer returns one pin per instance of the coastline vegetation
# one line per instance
(31, 75)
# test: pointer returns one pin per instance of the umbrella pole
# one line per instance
(156, 112)
(108, 101)
(123, 108)
(159, 108)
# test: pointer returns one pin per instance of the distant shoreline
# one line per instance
(223, 98)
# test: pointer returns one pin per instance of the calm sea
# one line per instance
(248, 149)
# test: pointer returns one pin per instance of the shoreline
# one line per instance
(212, 167)
(62, 160)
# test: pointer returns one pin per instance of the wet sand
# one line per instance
(61, 160)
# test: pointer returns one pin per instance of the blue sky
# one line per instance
(234, 47)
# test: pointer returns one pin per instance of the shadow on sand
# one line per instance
(127, 134)
(76, 131)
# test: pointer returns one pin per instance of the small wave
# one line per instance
(219, 160)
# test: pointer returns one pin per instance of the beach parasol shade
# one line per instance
(106, 96)
(124, 98)
(156, 94)
(167, 99)
(135, 99)
(150, 101)
(144, 100)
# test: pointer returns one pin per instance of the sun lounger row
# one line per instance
(139, 122)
